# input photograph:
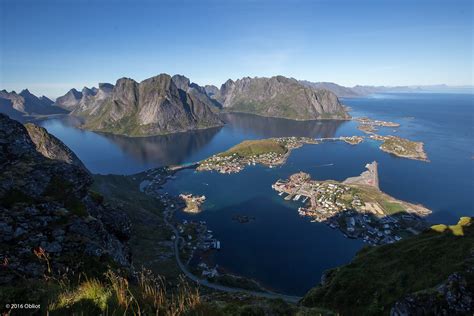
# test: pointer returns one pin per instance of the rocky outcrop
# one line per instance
(455, 296)
(50, 220)
(70, 100)
(197, 91)
(51, 147)
(158, 105)
(279, 97)
(19, 106)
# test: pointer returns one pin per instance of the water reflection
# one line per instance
(108, 153)
(164, 149)
(276, 127)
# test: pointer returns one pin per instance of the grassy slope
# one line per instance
(150, 241)
(379, 276)
(256, 147)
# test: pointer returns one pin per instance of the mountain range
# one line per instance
(19, 106)
(165, 104)
(278, 97)
(361, 90)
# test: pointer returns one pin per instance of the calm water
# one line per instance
(283, 251)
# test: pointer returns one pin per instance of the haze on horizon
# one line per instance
(52, 46)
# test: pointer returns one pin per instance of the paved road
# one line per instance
(206, 283)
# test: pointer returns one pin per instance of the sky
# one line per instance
(51, 46)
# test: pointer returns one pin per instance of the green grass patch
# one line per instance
(392, 207)
(256, 147)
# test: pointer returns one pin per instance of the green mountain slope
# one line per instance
(422, 267)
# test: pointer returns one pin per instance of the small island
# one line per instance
(269, 152)
(368, 129)
(355, 206)
(193, 203)
(369, 126)
(352, 140)
(402, 147)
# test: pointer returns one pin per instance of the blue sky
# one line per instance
(52, 46)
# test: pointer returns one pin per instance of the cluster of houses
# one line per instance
(235, 163)
(353, 140)
(341, 207)
(368, 121)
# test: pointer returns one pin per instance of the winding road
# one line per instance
(206, 283)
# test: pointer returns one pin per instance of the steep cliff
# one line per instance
(154, 106)
(278, 97)
(50, 220)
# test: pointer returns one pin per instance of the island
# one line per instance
(368, 129)
(402, 147)
(193, 203)
(352, 140)
(269, 152)
(355, 206)
(369, 126)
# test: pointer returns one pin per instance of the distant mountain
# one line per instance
(158, 105)
(278, 97)
(25, 104)
(359, 90)
(340, 91)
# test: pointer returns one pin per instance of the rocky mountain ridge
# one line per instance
(50, 220)
(158, 105)
(24, 104)
(278, 97)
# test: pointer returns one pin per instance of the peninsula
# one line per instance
(355, 206)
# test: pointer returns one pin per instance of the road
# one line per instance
(206, 283)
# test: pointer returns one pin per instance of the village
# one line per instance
(195, 240)
(269, 152)
(357, 209)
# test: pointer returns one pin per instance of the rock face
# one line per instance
(70, 100)
(51, 147)
(46, 206)
(24, 104)
(455, 296)
(197, 91)
(158, 105)
(279, 97)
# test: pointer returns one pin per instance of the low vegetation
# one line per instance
(379, 276)
(256, 147)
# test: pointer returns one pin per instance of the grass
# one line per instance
(456, 230)
(378, 276)
(116, 295)
(150, 238)
(256, 147)
(392, 208)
